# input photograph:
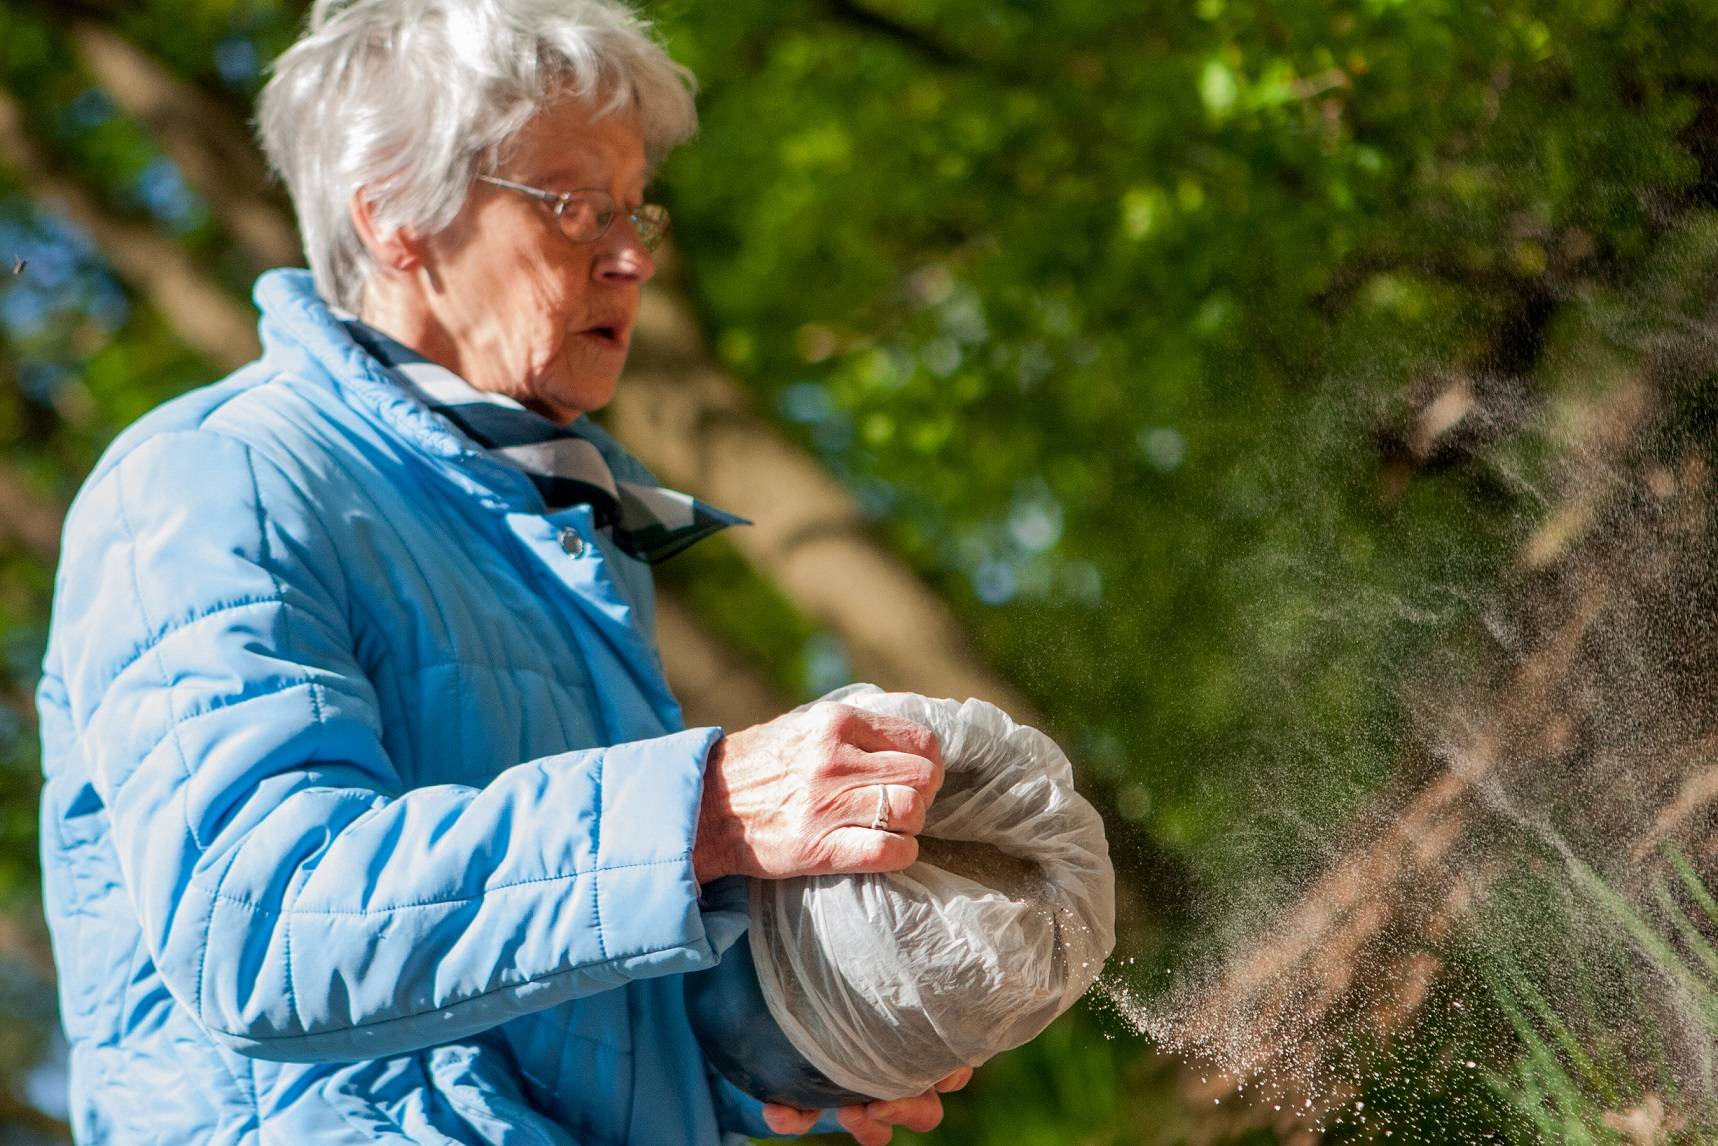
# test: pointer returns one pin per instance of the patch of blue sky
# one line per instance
(833, 436)
(995, 582)
(163, 193)
(806, 403)
(106, 303)
(827, 665)
(1035, 520)
(24, 311)
(236, 61)
(40, 381)
(64, 277)
(877, 498)
(87, 111)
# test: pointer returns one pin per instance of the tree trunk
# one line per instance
(693, 424)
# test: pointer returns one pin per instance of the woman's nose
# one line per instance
(621, 257)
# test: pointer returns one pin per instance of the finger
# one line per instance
(866, 1130)
(887, 808)
(786, 1120)
(920, 1114)
(878, 732)
(856, 851)
(919, 772)
(954, 1081)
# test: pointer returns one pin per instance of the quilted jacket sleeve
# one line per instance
(292, 892)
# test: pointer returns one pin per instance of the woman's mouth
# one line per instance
(609, 335)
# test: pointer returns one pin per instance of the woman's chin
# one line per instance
(563, 399)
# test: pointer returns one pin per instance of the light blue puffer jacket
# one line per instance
(368, 814)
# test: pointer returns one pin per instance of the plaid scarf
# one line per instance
(646, 521)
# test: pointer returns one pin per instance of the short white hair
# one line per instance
(412, 99)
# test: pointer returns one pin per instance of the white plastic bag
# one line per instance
(887, 983)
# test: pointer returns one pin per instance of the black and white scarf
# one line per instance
(646, 521)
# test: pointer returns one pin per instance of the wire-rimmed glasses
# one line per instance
(586, 215)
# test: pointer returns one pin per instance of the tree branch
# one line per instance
(715, 686)
(692, 423)
(852, 13)
(204, 315)
(27, 519)
(211, 148)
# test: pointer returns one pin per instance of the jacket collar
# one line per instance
(297, 324)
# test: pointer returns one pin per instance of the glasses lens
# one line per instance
(586, 215)
(652, 223)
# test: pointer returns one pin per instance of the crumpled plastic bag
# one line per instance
(887, 983)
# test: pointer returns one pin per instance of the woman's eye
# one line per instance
(579, 213)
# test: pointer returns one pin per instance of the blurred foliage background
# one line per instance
(1197, 355)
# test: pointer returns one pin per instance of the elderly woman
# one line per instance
(369, 816)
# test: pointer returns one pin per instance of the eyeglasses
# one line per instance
(586, 215)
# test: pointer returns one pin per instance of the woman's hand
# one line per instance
(802, 794)
(873, 1123)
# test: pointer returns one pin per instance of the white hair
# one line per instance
(410, 100)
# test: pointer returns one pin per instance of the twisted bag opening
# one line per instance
(887, 983)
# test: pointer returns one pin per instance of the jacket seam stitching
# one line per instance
(154, 640)
(265, 561)
(284, 617)
(160, 661)
(286, 957)
(264, 909)
(281, 381)
(339, 460)
(203, 959)
(596, 852)
(582, 686)
(216, 898)
(230, 399)
(282, 689)
(580, 969)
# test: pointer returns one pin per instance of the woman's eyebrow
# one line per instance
(573, 177)
(576, 176)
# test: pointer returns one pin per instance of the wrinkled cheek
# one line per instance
(547, 309)
(578, 379)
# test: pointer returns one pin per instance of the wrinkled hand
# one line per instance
(798, 795)
(873, 1123)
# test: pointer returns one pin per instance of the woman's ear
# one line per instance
(400, 249)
